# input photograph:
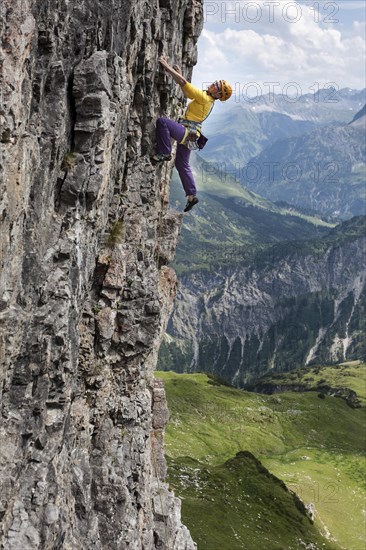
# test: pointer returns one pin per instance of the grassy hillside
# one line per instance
(340, 380)
(231, 223)
(240, 505)
(316, 446)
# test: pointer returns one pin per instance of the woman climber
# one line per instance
(187, 131)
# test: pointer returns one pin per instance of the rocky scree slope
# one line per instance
(85, 290)
(300, 303)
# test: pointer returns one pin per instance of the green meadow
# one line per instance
(239, 460)
(348, 376)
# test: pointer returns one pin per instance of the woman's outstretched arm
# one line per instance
(176, 74)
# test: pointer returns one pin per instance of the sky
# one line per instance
(282, 46)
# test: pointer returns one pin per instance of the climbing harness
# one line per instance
(192, 133)
(193, 138)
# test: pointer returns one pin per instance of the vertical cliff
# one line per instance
(85, 290)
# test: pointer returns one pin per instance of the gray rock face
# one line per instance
(85, 292)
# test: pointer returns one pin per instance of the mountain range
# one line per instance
(241, 130)
(323, 170)
(295, 303)
(305, 152)
(231, 222)
(267, 282)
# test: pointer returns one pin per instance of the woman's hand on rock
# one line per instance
(163, 62)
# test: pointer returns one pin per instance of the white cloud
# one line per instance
(214, 50)
(359, 28)
(351, 4)
(278, 50)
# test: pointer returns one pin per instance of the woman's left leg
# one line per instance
(185, 171)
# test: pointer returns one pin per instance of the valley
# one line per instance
(250, 454)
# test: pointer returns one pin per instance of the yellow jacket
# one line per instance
(201, 104)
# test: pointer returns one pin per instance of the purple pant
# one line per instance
(166, 129)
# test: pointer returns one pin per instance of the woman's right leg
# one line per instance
(165, 129)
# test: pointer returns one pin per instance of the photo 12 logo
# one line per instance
(268, 11)
(254, 92)
(288, 172)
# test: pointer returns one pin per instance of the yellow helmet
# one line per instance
(226, 90)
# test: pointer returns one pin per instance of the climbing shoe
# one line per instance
(190, 204)
(161, 157)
